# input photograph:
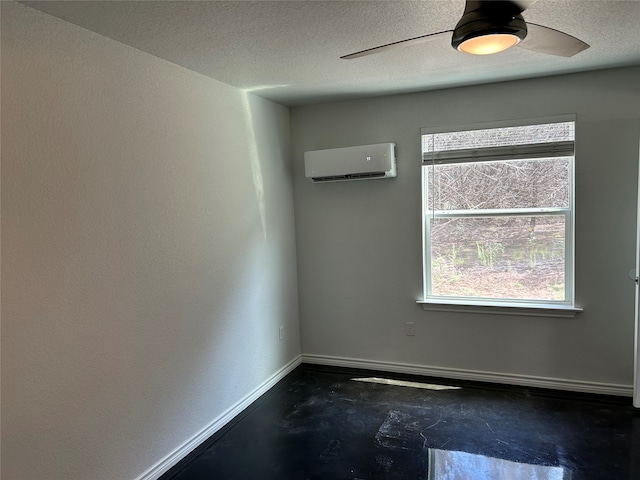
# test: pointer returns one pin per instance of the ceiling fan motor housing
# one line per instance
(489, 18)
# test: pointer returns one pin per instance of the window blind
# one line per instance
(504, 152)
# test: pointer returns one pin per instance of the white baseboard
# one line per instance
(475, 375)
(181, 452)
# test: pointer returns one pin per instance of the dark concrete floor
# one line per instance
(321, 424)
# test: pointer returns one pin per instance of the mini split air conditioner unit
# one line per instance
(351, 163)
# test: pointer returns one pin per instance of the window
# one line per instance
(498, 215)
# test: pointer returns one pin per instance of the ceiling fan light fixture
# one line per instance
(488, 44)
(489, 27)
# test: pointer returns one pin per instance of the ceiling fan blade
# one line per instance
(553, 42)
(391, 46)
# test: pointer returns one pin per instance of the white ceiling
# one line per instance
(289, 51)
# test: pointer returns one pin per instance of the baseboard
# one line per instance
(181, 452)
(474, 375)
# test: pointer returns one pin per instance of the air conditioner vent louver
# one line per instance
(363, 162)
(353, 176)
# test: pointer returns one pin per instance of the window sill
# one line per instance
(520, 309)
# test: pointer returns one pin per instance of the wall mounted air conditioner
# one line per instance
(351, 163)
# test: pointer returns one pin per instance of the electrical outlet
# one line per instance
(409, 329)
(281, 332)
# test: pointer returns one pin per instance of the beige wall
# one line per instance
(148, 254)
(359, 243)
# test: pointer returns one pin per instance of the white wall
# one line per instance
(359, 243)
(148, 253)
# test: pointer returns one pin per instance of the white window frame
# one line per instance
(564, 308)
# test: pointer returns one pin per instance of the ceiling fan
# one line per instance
(488, 27)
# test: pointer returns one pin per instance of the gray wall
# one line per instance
(148, 251)
(359, 243)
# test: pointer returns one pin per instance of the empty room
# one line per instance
(322, 240)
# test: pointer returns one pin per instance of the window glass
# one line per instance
(499, 257)
(537, 183)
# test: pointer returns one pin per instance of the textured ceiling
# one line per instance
(289, 51)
